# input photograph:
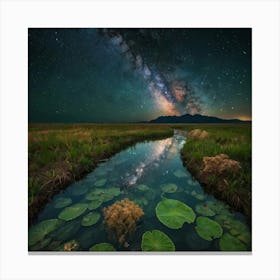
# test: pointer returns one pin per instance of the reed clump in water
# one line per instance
(121, 218)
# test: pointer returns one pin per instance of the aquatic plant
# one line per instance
(174, 213)
(94, 204)
(78, 189)
(62, 202)
(120, 219)
(90, 219)
(103, 195)
(72, 212)
(142, 188)
(198, 196)
(204, 210)
(42, 244)
(102, 247)
(180, 174)
(66, 231)
(169, 188)
(141, 201)
(39, 231)
(86, 237)
(100, 182)
(156, 240)
(245, 237)
(208, 229)
(231, 243)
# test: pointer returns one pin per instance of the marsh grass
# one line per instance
(61, 154)
(234, 141)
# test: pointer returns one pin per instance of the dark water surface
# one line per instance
(152, 163)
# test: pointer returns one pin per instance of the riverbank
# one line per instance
(59, 154)
(233, 185)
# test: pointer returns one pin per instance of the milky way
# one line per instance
(175, 98)
(116, 75)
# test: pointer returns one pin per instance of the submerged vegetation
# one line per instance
(221, 162)
(61, 154)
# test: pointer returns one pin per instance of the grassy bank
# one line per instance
(60, 154)
(234, 141)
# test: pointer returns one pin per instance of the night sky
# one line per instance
(127, 75)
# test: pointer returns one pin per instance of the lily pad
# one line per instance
(231, 243)
(100, 183)
(40, 245)
(204, 210)
(218, 207)
(90, 219)
(142, 201)
(156, 240)
(107, 197)
(200, 196)
(94, 204)
(39, 231)
(62, 202)
(142, 188)
(245, 237)
(72, 212)
(102, 247)
(169, 188)
(180, 174)
(223, 220)
(95, 194)
(66, 231)
(174, 213)
(113, 191)
(86, 237)
(208, 229)
(197, 195)
(236, 227)
(103, 195)
(77, 189)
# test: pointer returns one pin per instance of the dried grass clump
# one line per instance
(121, 218)
(198, 134)
(220, 164)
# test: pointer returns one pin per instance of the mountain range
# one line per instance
(187, 118)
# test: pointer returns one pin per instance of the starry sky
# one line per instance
(131, 75)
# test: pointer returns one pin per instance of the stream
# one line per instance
(150, 163)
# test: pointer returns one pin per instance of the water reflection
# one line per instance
(155, 155)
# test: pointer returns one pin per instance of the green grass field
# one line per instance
(59, 154)
(234, 141)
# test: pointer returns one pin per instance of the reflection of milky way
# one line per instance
(158, 153)
(174, 101)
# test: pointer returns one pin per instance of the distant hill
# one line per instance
(187, 118)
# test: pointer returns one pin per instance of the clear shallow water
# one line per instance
(152, 163)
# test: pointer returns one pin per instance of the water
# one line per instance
(152, 163)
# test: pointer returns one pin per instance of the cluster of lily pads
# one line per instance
(211, 220)
(233, 235)
(63, 227)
